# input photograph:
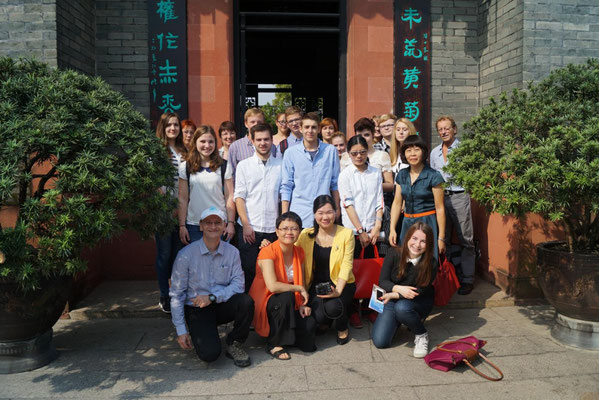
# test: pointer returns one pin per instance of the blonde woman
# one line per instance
(403, 128)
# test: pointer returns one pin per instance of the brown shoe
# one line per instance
(238, 354)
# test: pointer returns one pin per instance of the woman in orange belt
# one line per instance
(421, 188)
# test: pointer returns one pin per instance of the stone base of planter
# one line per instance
(576, 332)
(26, 355)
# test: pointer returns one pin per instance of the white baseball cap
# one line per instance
(213, 211)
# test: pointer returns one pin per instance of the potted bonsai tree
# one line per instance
(77, 165)
(537, 151)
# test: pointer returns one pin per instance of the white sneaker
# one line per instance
(421, 345)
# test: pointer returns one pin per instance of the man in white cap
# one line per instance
(207, 289)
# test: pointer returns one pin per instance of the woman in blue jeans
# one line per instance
(407, 276)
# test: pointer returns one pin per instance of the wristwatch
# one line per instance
(360, 231)
(212, 298)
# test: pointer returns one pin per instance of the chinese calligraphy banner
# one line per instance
(167, 20)
(412, 72)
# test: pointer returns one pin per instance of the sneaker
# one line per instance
(165, 304)
(238, 354)
(421, 345)
(355, 321)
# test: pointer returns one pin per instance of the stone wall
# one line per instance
(122, 48)
(556, 34)
(28, 28)
(76, 37)
(454, 61)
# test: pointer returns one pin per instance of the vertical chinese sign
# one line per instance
(167, 22)
(412, 71)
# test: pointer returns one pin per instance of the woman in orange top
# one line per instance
(279, 292)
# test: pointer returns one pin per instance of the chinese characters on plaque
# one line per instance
(167, 57)
(412, 63)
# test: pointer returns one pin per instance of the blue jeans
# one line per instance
(194, 232)
(397, 312)
(167, 247)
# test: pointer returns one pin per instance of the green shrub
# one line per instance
(105, 169)
(538, 151)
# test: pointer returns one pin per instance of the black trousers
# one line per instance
(249, 253)
(287, 327)
(337, 309)
(203, 324)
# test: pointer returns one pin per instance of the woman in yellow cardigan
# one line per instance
(329, 252)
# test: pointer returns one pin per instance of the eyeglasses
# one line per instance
(282, 122)
(386, 126)
(357, 153)
(294, 121)
(293, 229)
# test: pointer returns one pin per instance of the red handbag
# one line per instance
(448, 355)
(446, 282)
(367, 272)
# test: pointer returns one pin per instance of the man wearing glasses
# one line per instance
(293, 116)
(457, 204)
(386, 124)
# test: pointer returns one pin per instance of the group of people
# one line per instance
(271, 224)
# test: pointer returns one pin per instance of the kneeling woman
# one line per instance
(407, 276)
(279, 293)
(329, 252)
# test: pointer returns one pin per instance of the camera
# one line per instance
(323, 288)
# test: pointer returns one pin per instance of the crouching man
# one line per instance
(207, 290)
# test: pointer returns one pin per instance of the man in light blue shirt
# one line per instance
(207, 290)
(310, 169)
(457, 204)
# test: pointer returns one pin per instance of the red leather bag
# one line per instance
(367, 272)
(448, 355)
(446, 282)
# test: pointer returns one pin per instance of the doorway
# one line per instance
(294, 51)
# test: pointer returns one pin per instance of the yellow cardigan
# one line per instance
(342, 255)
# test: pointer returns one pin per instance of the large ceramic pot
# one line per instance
(570, 283)
(26, 322)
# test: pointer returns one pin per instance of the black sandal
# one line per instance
(277, 354)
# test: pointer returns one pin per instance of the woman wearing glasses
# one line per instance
(329, 250)
(282, 129)
(361, 194)
(282, 314)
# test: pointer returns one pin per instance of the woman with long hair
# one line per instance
(329, 250)
(282, 313)
(201, 185)
(328, 127)
(188, 127)
(168, 132)
(403, 128)
(282, 129)
(421, 188)
(407, 277)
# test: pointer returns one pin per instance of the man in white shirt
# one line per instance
(457, 203)
(257, 199)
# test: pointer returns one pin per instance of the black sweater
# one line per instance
(388, 277)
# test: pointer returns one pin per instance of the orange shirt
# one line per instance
(260, 293)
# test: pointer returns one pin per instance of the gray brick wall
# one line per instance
(454, 61)
(122, 48)
(500, 41)
(76, 37)
(28, 29)
(558, 33)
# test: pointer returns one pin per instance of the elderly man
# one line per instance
(207, 290)
(457, 203)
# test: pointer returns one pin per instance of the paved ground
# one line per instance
(138, 358)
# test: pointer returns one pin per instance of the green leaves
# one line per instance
(538, 151)
(104, 181)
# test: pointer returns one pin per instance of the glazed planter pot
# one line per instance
(570, 283)
(26, 324)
